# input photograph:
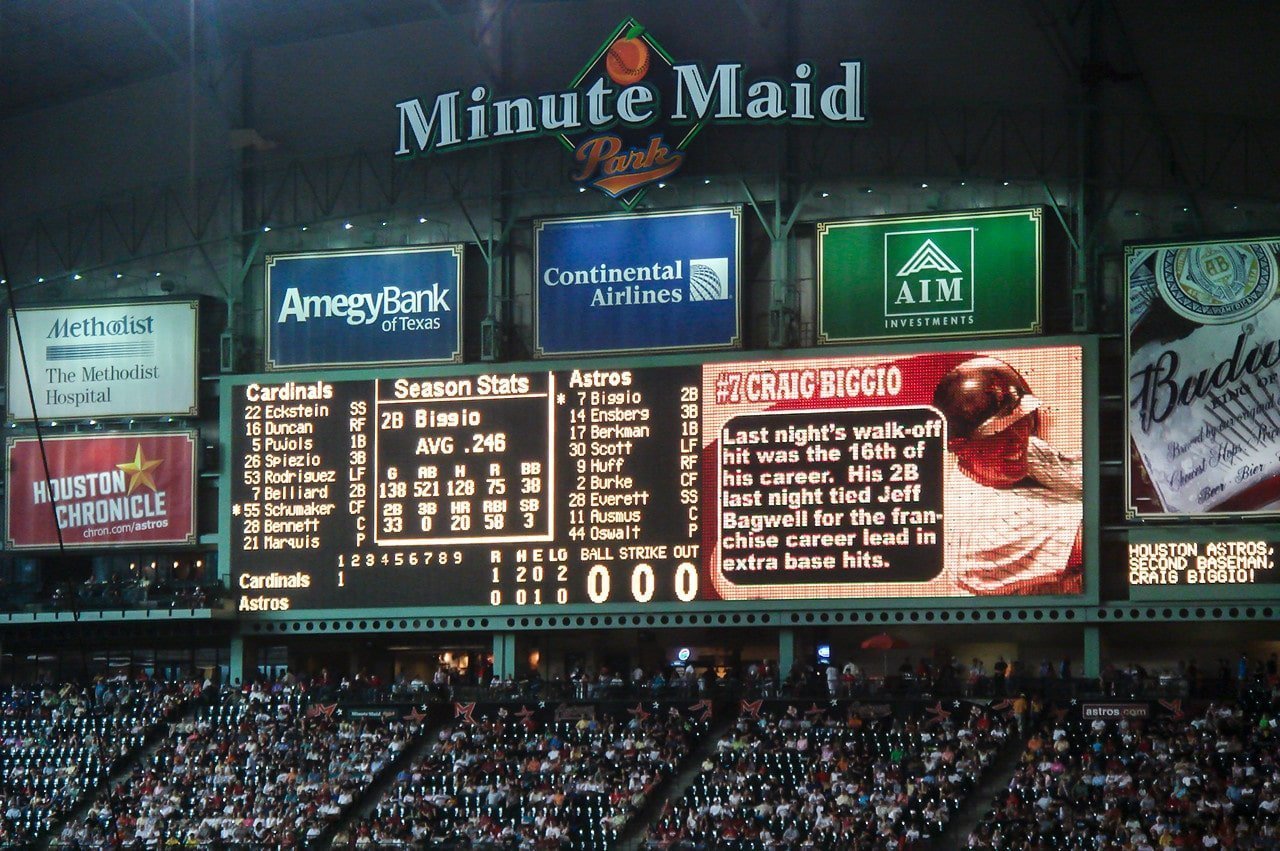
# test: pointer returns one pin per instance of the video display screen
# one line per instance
(939, 474)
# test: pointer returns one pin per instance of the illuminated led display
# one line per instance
(1237, 562)
(941, 474)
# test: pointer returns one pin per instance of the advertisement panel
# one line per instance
(947, 275)
(101, 490)
(348, 308)
(126, 359)
(953, 474)
(638, 282)
(1203, 348)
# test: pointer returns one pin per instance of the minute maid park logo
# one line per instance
(631, 112)
(929, 278)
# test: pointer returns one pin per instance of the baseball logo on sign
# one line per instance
(627, 62)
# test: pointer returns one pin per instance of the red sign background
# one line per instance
(109, 490)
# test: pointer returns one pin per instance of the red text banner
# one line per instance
(105, 490)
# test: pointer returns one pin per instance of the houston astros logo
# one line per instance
(1216, 284)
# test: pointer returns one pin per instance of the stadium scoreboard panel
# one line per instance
(651, 484)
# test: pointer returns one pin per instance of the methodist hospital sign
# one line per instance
(628, 115)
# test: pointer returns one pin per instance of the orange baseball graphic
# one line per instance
(627, 61)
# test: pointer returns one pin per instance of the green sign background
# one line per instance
(965, 274)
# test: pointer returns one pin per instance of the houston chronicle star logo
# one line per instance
(139, 470)
(929, 277)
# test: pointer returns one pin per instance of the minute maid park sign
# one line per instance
(631, 112)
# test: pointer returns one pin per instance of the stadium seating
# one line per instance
(256, 768)
(791, 782)
(1208, 779)
(567, 785)
(60, 742)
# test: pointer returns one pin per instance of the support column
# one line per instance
(504, 654)
(235, 661)
(786, 652)
(1092, 652)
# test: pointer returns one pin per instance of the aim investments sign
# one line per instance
(631, 111)
(949, 275)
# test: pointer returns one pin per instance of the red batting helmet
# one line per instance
(983, 396)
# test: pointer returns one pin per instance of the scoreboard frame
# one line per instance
(535, 615)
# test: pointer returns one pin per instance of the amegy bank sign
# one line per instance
(631, 111)
(103, 360)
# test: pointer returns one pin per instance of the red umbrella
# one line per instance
(884, 642)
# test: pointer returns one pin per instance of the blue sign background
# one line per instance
(409, 289)
(701, 245)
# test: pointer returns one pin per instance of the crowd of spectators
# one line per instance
(792, 782)
(60, 741)
(254, 768)
(1211, 779)
(511, 783)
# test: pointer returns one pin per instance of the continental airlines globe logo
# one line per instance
(709, 279)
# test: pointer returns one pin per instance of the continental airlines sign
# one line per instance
(632, 110)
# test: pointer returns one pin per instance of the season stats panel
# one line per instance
(530, 489)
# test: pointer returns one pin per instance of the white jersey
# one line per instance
(1006, 540)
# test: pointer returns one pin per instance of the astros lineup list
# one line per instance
(534, 489)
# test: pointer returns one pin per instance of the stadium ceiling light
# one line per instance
(40, 280)
(924, 186)
(706, 181)
(304, 227)
(384, 224)
(825, 194)
(422, 220)
(157, 274)
(77, 277)
(1005, 183)
(266, 228)
(867, 189)
(119, 275)
(662, 185)
(347, 226)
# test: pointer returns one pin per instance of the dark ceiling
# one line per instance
(54, 51)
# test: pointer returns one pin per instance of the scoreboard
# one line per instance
(522, 489)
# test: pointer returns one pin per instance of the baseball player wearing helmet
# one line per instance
(1013, 502)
